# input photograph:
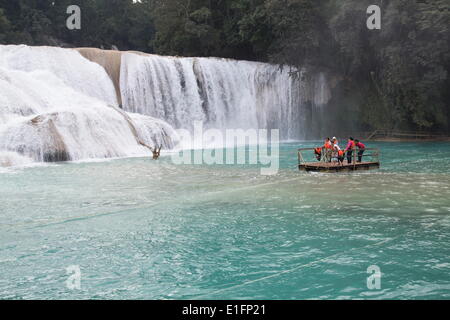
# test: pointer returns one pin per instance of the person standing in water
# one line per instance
(361, 148)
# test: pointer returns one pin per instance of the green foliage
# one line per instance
(204, 28)
(414, 63)
(105, 23)
(298, 32)
(5, 26)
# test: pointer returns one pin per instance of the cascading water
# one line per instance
(59, 104)
(221, 93)
(321, 95)
(56, 105)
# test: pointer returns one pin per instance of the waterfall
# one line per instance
(56, 105)
(321, 94)
(63, 104)
(222, 93)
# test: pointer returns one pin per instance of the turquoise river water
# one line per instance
(143, 229)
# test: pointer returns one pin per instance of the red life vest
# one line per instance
(353, 145)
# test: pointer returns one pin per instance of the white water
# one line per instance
(57, 105)
(221, 93)
(9, 159)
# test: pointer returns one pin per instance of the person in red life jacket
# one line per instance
(361, 148)
(350, 147)
(327, 150)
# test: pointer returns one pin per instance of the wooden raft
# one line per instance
(334, 166)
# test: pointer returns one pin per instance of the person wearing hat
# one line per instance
(337, 152)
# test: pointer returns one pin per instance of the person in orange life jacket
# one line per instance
(327, 144)
(349, 149)
(361, 148)
(327, 150)
(318, 153)
(341, 155)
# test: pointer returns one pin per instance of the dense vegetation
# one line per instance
(396, 77)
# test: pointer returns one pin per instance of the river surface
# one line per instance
(142, 229)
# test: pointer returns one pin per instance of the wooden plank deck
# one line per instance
(336, 167)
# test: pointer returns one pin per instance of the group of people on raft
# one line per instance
(331, 150)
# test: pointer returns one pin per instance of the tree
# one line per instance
(298, 34)
(414, 63)
(5, 27)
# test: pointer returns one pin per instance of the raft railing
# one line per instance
(373, 153)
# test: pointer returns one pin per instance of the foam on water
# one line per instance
(12, 159)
